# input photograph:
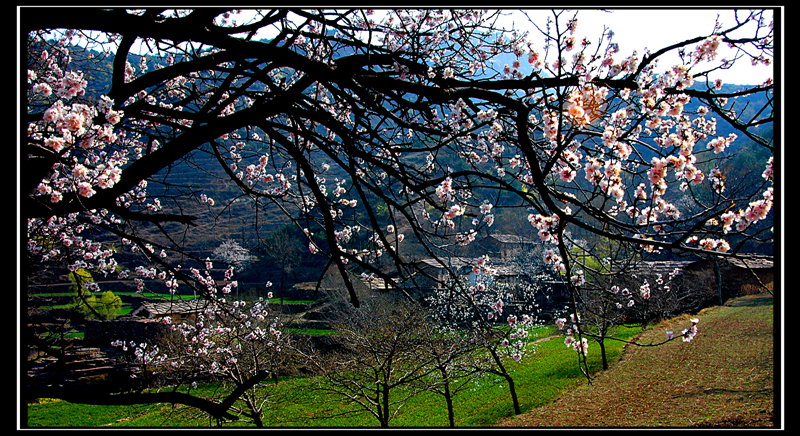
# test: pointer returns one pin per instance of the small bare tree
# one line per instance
(453, 355)
(383, 359)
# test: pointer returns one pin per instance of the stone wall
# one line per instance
(103, 333)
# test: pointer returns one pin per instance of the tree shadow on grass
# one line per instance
(752, 301)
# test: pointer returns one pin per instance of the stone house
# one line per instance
(428, 274)
(144, 323)
(705, 282)
(728, 277)
(504, 247)
(178, 310)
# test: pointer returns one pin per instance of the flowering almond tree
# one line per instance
(240, 344)
(371, 130)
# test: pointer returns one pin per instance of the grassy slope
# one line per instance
(295, 402)
(724, 378)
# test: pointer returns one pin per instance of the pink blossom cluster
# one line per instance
(550, 127)
(147, 356)
(467, 237)
(756, 211)
(483, 267)
(719, 144)
(707, 49)
(690, 333)
(546, 226)
(625, 293)
(552, 258)
(680, 78)
(455, 207)
(61, 238)
(711, 244)
(581, 346)
(740, 220)
(621, 149)
(717, 179)
(584, 104)
(66, 128)
(644, 290)
(516, 344)
(445, 190)
(578, 278)
(768, 173)
(51, 79)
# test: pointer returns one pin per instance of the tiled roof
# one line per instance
(451, 262)
(664, 266)
(154, 309)
(511, 239)
(752, 261)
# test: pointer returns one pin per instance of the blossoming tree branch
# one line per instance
(371, 130)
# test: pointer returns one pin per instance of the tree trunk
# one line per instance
(448, 398)
(512, 389)
(383, 395)
(603, 353)
(504, 373)
(718, 281)
(255, 412)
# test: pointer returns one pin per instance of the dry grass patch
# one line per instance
(724, 378)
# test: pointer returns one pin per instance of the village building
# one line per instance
(504, 247)
(177, 311)
(728, 277)
(696, 284)
(434, 273)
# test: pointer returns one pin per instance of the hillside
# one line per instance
(725, 378)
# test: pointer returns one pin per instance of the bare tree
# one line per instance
(383, 359)
(453, 355)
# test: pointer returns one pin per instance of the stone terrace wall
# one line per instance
(103, 333)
